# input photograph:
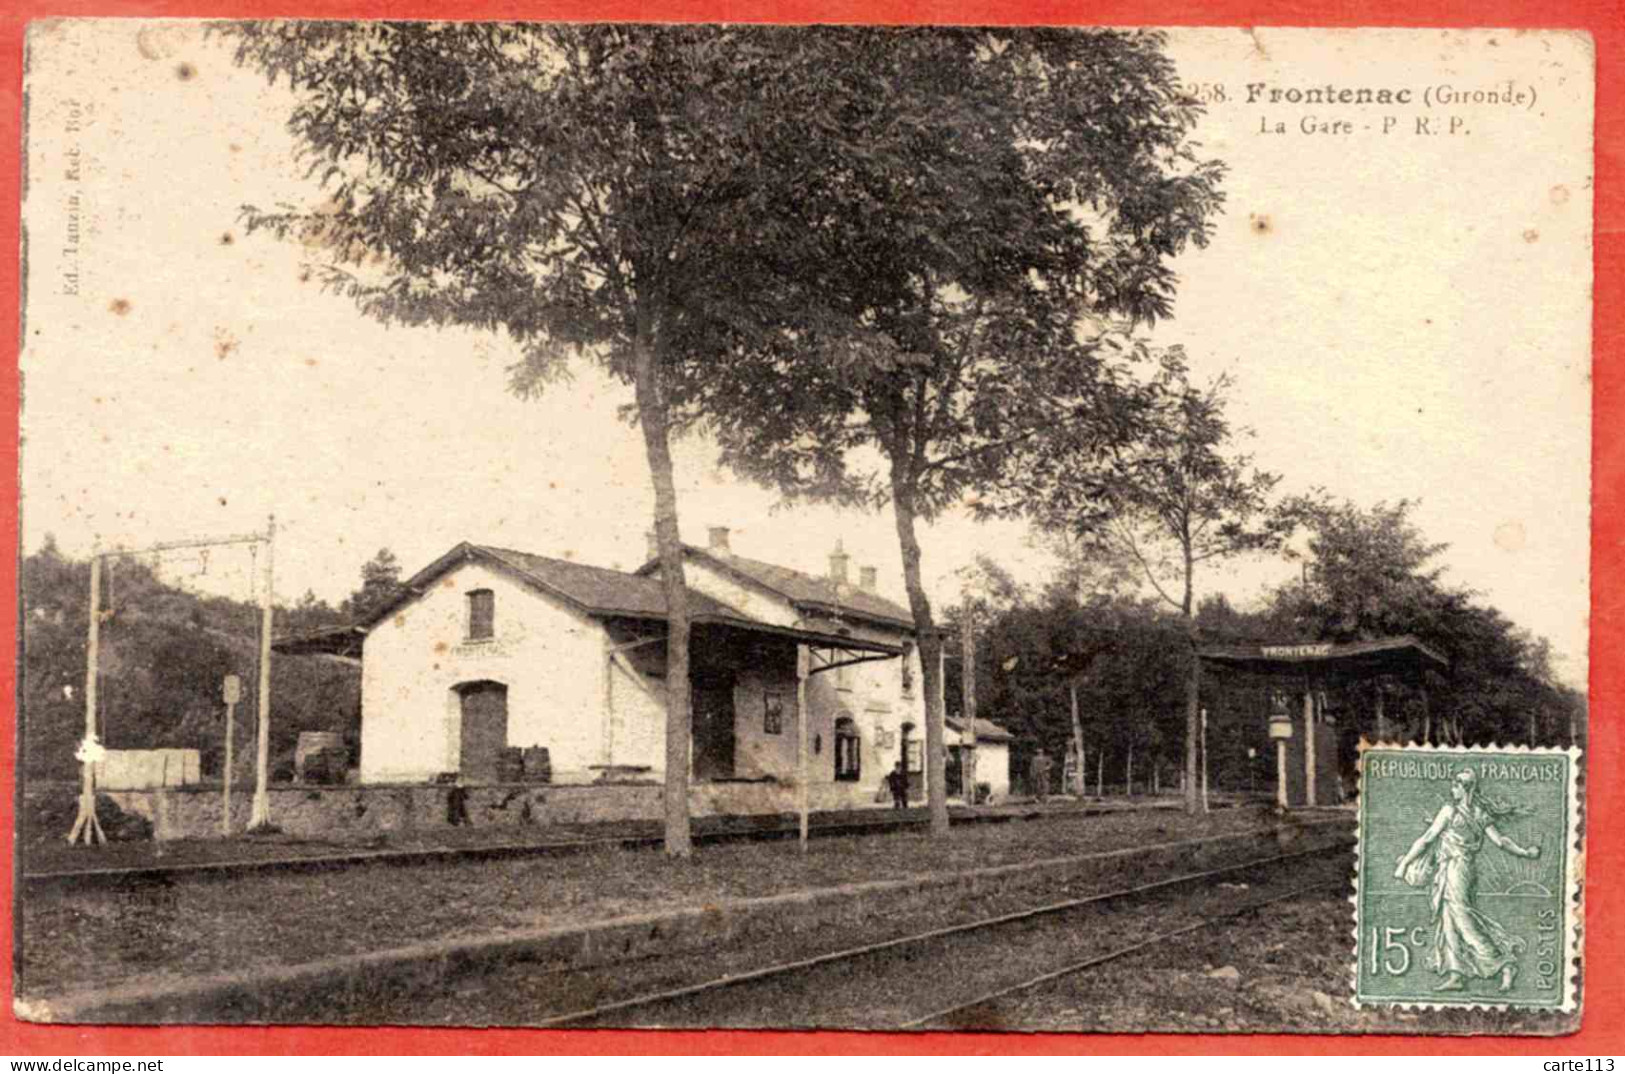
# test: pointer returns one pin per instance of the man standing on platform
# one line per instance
(1039, 771)
(897, 783)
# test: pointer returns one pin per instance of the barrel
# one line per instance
(311, 743)
(538, 765)
(511, 765)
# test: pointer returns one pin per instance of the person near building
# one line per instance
(1039, 770)
(897, 783)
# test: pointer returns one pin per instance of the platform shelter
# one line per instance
(1299, 674)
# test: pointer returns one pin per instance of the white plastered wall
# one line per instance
(871, 693)
(548, 656)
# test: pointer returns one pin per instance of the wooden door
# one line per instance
(484, 732)
(713, 726)
(954, 772)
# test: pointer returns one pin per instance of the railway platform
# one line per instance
(52, 863)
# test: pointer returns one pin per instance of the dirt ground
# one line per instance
(168, 929)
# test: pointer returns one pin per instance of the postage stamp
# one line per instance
(1468, 877)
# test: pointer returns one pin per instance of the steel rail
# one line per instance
(1112, 956)
(847, 954)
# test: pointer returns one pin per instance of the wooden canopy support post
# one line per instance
(967, 747)
(1204, 760)
(1308, 746)
(803, 769)
(607, 686)
(1280, 773)
(86, 821)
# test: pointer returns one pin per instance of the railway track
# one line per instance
(953, 1016)
(800, 987)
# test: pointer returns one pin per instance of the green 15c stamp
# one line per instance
(1469, 868)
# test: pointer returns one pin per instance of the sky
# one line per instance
(1406, 316)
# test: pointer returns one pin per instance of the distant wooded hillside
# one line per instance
(164, 654)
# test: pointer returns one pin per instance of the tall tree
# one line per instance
(1372, 572)
(1368, 572)
(641, 195)
(380, 584)
(1042, 177)
(1177, 497)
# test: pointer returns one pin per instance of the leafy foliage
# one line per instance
(1371, 572)
(1168, 499)
(1174, 496)
(1002, 187)
(1120, 654)
(380, 585)
(164, 652)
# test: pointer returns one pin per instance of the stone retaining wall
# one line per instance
(337, 811)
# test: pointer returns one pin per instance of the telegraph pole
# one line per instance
(86, 822)
(261, 814)
(90, 749)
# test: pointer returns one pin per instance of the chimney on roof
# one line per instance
(838, 560)
(866, 579)
(719, 541)
(653, 544)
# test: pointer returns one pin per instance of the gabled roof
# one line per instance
(805, 591)
(608, 594)
(986, 730)
(596, 591)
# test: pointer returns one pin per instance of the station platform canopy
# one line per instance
(327, 641)
(1403, 655)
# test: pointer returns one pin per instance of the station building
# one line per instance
(491, 651)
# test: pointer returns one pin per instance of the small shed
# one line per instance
(1306, 758)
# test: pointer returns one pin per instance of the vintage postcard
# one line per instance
(592, 524)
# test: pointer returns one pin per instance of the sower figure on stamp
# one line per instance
(1465, 942)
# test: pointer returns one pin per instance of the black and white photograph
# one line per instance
(735, 526)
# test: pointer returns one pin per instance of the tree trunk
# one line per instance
(930, 645)
(653, 418)
(1128, 773)
(1193, 731)
(1081, 779)
(1193, 686)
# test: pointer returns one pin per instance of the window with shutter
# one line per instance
(481, 615)
(848, 749)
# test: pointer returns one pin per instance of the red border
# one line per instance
(1603, 1030)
